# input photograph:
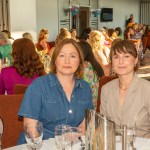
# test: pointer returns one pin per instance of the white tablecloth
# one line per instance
(140, 144)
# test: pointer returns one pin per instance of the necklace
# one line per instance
(120, 86)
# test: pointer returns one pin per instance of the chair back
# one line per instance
(20, 88)
(13, 125)
(103, 80)
(1, 131)
(1, 127)
(144, 42)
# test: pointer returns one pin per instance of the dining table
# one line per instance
(139, 143)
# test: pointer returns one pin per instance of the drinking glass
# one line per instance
(76, 133)
(63, 137)
(33, 133)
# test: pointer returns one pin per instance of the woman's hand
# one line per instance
(82, 126)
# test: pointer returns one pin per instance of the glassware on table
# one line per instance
(63, 137)
(76, 133)
(33, 133)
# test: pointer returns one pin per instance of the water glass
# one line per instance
(63, 137)
(33, 133)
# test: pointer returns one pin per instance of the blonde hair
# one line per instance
(27, 35)
(64, 34)
(4, 37)
(42, 34)
(95, 38)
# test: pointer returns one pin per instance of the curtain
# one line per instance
(4, 15)
(145, 12)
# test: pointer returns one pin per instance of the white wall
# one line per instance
(23, 17)
(33, 15)
(47, 17)
(121, 11)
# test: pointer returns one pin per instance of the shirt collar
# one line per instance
(54, 81)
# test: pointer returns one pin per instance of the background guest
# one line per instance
(100, 50)
(92, 70)
(42, 44)
(26, 66)
(5, 47)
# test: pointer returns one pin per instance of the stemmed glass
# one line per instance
(33, 133)
(62, 137)
(76, 133)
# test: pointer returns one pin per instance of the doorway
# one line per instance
(83, 19)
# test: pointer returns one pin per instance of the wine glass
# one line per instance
(33, 133)
(76, 133)
(62, 137)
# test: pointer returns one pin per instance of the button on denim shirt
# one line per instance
(46, 101)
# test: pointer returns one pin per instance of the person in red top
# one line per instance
(42, 44)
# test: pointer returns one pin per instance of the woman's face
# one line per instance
(67, 61)
(123, 64)
(46, 37)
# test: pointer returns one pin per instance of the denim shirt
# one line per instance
(46, 101)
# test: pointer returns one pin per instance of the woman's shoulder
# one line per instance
(145, 83)
(8, 70)
(111, 84)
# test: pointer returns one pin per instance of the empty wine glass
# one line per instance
(76, 133)
(33, 133)
(62, 137)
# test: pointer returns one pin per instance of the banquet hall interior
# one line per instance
(36, 17)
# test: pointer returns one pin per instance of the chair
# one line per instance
(20, 88)
(13, 125)
(103, 81)
(144, 42)
(1, 131)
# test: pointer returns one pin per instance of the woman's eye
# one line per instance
(73, 56)
(115, 56)
(61, 55)
(127, 56)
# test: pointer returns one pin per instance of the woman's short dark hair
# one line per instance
(79, 71)
(25, 58)
(123, 46)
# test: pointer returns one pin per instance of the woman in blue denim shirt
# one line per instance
(61, 96)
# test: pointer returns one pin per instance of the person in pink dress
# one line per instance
(26, 66)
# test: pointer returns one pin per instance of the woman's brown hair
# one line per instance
(79, 71)
(123, 46)
(25, 58)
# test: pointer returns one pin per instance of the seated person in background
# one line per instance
(61, 96)
(26, 66)
(129, 20)
(74, 34)
(5, 47)
(85, 34)
(11, 39)
(64, 34)
(112, 34)
(131, 23)
(119, 32)
(100, 50)
(28, 36)
(92, 70)
(136, 36)
(126, 100)
(42, 44)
